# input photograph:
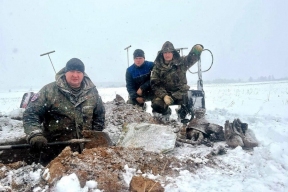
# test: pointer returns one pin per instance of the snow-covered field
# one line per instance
(264, 106)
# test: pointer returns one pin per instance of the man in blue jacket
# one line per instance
(138, 79)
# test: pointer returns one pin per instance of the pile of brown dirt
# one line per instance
(106, 166)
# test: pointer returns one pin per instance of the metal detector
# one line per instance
(49, 58)
(195, 99)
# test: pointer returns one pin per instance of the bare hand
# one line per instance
(140, 100)
(139, 92)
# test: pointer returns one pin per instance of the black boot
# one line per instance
(166, 115)
(182, 113)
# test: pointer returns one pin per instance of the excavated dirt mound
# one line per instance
(105, 165)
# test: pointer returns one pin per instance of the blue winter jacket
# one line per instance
(139, 77)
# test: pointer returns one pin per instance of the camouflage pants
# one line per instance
(159, 106)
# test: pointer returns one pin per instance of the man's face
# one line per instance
(139, 61)
(74, 78)
(168, 56)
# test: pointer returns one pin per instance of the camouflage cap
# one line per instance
(75, 64)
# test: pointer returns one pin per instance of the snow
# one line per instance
(263, 106)
(70, 182)
(130, 172)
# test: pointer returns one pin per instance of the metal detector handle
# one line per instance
(47, 53)
(49, 58)
(127, 47)
(181, 50)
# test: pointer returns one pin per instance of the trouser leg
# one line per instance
(182, 112)
(131, 101)
(159, 106)
(160, 109)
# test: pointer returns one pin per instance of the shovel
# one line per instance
(92, 139)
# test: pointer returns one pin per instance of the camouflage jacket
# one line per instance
(63, 116)
(170, 79)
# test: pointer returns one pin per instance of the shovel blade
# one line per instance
(98, 139)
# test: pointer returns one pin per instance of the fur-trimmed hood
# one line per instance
(167, 47)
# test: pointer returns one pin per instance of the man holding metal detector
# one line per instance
(138, 80)
(61, 110)
(168, 79)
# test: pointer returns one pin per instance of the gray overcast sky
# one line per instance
(247, 38)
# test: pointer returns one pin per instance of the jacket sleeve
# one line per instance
(98, 122)
(147, 85)
(130, 86)
(156, 84)
(33, 115)
(191, 58)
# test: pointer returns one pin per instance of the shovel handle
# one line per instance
(21, 146)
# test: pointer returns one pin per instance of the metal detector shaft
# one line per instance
(200, 81)
(49, 58)
(127, 48)
(20, 146)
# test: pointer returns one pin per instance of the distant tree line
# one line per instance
(251, 79)
(264, 78)
(110, 84)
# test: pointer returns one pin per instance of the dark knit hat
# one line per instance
(138, 53)
(75, 64)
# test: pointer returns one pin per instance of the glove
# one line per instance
(197, 49)
(38, 142)
(168, 100)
